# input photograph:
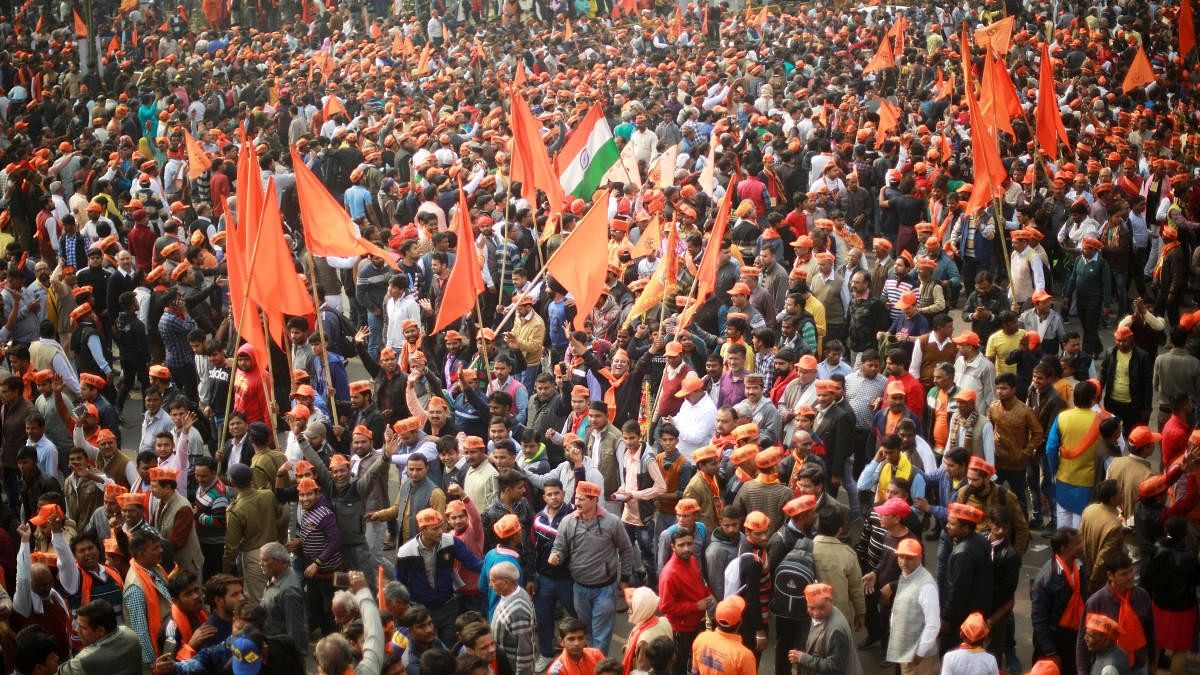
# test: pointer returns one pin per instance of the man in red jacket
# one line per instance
(684, 596)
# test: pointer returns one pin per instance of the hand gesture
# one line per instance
(293, 545)
(415, 376)
(358, 581)
(191, 420)
(311, 570)
(202, 635)
(284, 469)
(455, 491)
(555, 559)
(361, 336)
(25, 531)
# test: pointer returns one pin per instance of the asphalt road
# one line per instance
(1038, 554)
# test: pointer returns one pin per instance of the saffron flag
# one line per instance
(993, 98)
(706, 274)
(889, 119)
(663, 173)
(988, 171)
(677, 23)
(1139, 74)
(883, 58)
(423, 62)
(274, 284)
(1048, 121)
(240, 254)
(465, 283)
(1186, 29)
(998, 36)
(587, 155)
(649, 242)
(662, 281)
(530, 162)
(568, 31)
(333, 106)
(579, 264)
(80, 27)
(198, 161)
(336, 235)
(114, 46)
(41, 22)
(896, 32)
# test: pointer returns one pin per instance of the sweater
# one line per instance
(680, 587)
(433, 592)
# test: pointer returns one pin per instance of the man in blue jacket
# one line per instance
(434, 588)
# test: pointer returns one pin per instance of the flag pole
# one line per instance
(237, 336)
(312, 278)
(272, 403)
(479, 318)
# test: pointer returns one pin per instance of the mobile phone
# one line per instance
(341, 580)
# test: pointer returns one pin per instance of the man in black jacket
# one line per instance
(968, 573)
(1126, 379)
(1050, 596)
(835, 425)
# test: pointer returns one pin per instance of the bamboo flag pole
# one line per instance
(237, 336)
(312, 278)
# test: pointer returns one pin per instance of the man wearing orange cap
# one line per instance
(1130, 470)
(35, 600)
(175, 519)
(830, 644)
(747, 576)
(434, 588)
(1125, 611)
(766, 493)
(970, 655)
(966, 585)
(1104, 655)
(1090, 286)
(592, 567)
(720, 651)
(916, 613)
(1126, 379)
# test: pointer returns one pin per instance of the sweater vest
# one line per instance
(1073, 426)
(830, 295)
(931, 355)
(908, 621)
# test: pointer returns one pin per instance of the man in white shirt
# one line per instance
(916, 613)
(643, 140)
(697, 416)
(399, 308)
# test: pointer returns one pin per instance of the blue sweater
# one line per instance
(497, 555)
(410, 570)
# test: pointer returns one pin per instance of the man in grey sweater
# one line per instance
(585, 543)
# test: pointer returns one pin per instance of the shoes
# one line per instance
(871, 641)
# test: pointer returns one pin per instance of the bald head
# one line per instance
(41, 579)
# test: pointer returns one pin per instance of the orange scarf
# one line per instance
(631, 644)
(1167, 248)
(85, 582)
(742, 475)
(610, 394)
(889, 425)
(586, 665)
(716, 492)
(1074, 611)
(184, 624)
(1093, 433)
(1132, 637)
(767, 478)
(153, 612)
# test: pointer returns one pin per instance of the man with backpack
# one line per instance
(790, 558)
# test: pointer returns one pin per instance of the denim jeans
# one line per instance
(596, 607)
(529, 375)
(851, 488)
(375, 323)
(551, 592)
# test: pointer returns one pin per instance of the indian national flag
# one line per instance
(587, 155)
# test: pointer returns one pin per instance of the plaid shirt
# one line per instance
(764, 364)
(174, 330)
(861, 393)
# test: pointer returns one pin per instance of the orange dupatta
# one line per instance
(1073, 613)
(153, 612)
(1133, 636)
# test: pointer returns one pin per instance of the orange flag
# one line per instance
(896, 32)
(41, 22)
(998, 36)
(274, 284)
(1186, 29)
(578, 264)
(240, 255)
(198, 161)
(706, 274)
(114, 46)
(761, 20)
(466, 278)
(376, 31)
(80, 27)
(333, 105)
(677, 23)
(568, 32)
(662, 280)
(445, 34)
(1048, 120)
(336, 236)
(397, 44)
(518, 80)
(993, 101)
(423, 62)
(1139, 73)
(649, 242)
(128, 5)
(889, 118)
(988, 171)
(883, 58)
(530, 163)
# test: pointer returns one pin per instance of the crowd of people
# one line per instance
(826, 403)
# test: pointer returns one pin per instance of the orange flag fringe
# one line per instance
(335, 235)
(578, 265)
(1048, 122)
(465, 283)
(1140, 73)
(530, 163)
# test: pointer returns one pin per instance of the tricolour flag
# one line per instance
(587, 155)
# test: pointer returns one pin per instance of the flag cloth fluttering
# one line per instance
(274, 284)
(1047, 120)
(1140, 73)
(1186, 29)
(465, 283)
(530, 162)
(706, 273)
(998, 36)
(883, 58)
(579, 264)
(988, 170)
(588, 153)
(889, 117)
(198, 161)
(662, 281)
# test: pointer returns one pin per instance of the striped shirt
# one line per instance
(513, 627)
(211, 502)
(321, 541)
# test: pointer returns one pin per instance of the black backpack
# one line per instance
(796, 571)
(344, 344)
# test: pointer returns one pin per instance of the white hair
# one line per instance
(506, 570)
